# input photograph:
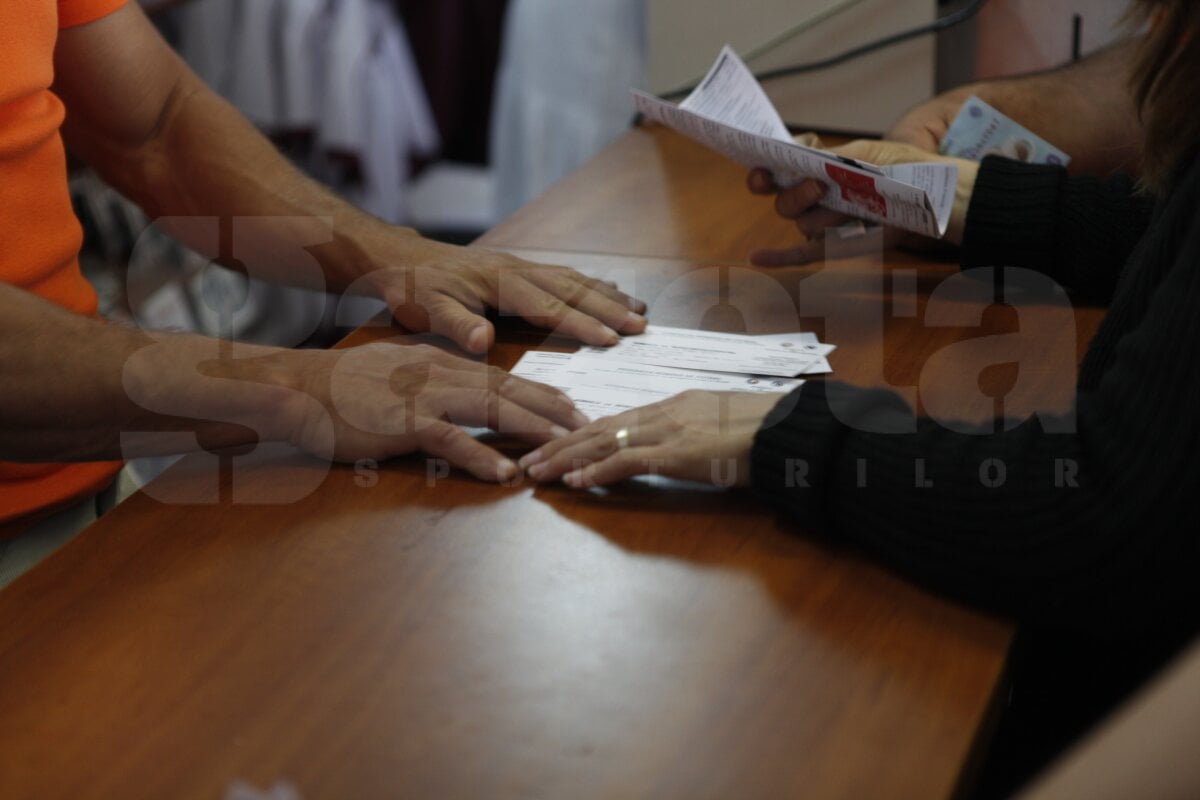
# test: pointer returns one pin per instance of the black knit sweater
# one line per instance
(1114, 555)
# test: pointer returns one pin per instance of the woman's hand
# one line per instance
(800, 203)
(697, 436)
(443, 289)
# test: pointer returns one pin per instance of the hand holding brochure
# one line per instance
(730, 113)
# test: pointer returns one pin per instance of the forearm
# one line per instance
(205, 162)
(1085, 109)
(1004, 521)
(1078, 230)
(73, 385)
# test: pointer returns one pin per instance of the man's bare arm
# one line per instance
(1085, 108)
(70, 384)
(80, 389)
(157, 133)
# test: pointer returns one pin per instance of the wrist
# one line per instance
(366, 247)
(968, 173)
(356, 249)
(271, 389)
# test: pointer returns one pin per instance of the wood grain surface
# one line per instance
(393, 632)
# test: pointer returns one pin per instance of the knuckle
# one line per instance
(554, 307)
(439, 373)
(440, 435)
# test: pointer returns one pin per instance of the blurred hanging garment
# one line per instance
(457, 48)
(341, 70)
(206, 28)
(303, 25)
(257, 86)
(375, 110)
(336, 76)
(566, 67)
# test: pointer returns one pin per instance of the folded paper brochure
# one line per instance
(729, 112)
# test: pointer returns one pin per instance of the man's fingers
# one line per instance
(450, 318)
(591, 298)
(815, 223)
(485, 407)
(545, 401)
(468, 378)
(444, 440)
(612, 291)
(759, 181)
(799, 199)
(542, 308)
(471, 378)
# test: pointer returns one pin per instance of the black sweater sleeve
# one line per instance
(1078, 231)
(1092, 530)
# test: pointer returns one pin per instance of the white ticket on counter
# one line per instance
(729, 112)
(716, 352)
(602, 387)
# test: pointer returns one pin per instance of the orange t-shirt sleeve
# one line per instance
(81, 12)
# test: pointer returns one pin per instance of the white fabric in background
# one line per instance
(400, 122)
(375, 105)
(342, 123)
(208, 27)
(341, 68)
(255, 86)
(303, 25)
(566, 67)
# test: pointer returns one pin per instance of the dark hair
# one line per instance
(1166, 85)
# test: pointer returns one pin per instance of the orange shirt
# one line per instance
(39, 235)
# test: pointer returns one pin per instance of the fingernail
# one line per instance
(634, 321)
(574, 479)
(529, 459)
(477, 340)
(558, 431)
(507, 470)
(613, 336)
(579, 418)
(537, 471)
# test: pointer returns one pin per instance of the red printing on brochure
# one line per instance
(858, 189)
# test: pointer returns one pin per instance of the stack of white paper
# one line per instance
(662, 362)
(730, 113)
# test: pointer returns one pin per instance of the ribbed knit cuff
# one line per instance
(789, 462)
(802, 452)
(1013, 216)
